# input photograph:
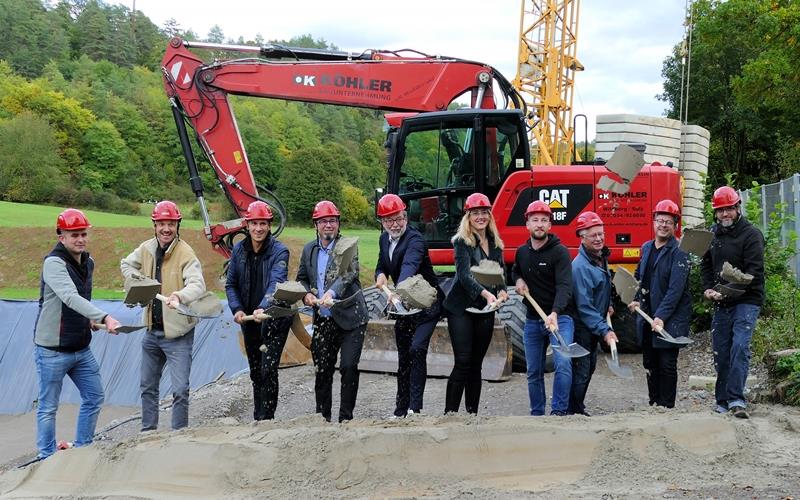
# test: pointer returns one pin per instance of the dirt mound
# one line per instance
(648, 453)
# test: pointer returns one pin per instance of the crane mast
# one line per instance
(546, 75)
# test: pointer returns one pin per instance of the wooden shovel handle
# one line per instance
(252, 317)
(538, 309)
(612, 344)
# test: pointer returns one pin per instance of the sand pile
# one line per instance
(734, 275)
(645, 453)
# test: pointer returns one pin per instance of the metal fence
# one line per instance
(787, 192)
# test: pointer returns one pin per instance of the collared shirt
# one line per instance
(322, 264)
(392, 246)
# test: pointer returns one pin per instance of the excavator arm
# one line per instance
(405, 81)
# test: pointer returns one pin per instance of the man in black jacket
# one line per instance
(542, 267)
(741, 244)
(340, 312)
(403, 253)
(258, 263)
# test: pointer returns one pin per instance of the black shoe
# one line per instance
(740, 412)
(558, 413)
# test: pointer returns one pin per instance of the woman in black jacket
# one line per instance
(477, 239)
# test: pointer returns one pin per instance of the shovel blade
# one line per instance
(676, 340)
(619, 370)
(571, 351)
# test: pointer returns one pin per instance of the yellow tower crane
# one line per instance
(546, 75)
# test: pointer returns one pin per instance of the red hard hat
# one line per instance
(390, 204)
(165, 210)
(724, 196)
(258, 210)
(588, 219)
(667, 207)
(324, 208)
(72, 219)
(540, 207)
(477, 200)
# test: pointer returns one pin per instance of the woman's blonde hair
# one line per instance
(465, 231)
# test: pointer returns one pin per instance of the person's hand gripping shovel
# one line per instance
(613, 362)
(626, 286)
(140, 290)
(572, 350)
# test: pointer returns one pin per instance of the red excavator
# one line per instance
(436, 156)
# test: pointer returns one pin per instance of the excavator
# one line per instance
(437, 156)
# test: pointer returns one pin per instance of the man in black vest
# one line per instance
(403, 253)
(63, 332)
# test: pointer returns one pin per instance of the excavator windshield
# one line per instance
(444, 157)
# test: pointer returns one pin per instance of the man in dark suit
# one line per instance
(340, 312)
(403, 253)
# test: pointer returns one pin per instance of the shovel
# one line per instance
(488, 308)
(122, 328)
(613, 361)
(572, 350)
(626, 286)
(399, 308)
(143, 290)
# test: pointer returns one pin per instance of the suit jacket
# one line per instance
(410, 257)
(668, 297)
(351, 312)
(466, 291)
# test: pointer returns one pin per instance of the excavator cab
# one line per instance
(440, 158)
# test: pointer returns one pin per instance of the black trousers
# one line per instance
(582, 370)
(470, 335)
(264, 365)
(413, 334)
(327, 342)
(661, 365)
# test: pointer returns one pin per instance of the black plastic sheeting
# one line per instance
(216, 350)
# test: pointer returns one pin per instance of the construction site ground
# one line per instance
(625, 450)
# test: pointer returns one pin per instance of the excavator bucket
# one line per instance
(379, 353)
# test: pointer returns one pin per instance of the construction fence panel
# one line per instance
(786, 192)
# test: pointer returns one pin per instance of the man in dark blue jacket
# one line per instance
(403, 253)
(739, 243)
(591, 291)
(663, 273)
(63, 333)
(258, 263)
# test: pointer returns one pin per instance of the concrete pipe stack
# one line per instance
(667, 142)
(693, 166)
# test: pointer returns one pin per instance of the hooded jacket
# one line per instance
(548, 274)
(741, 244)
(274, 269)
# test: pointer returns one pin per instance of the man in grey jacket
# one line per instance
(63, 333)
(336, 327)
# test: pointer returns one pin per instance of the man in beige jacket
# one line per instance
(170, 336)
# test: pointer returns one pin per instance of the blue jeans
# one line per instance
(731, 331)
(81, 367)
(537, 338)
(177, 354)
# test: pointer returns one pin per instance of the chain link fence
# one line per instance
(787, 192)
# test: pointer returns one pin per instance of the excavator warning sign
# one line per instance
(630, 252)
(237, 157)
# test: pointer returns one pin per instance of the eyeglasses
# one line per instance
(725, 209)
(597, 236)
(386, 221)
(664, 222)
(479, 212)
(327, 222)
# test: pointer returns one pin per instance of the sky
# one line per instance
(621, 43)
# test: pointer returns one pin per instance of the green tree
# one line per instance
(32, 36)
(30, 167)
(310, 175)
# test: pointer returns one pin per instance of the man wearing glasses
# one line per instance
(403, 253)
(591, 291)
(663, 273)
(340, 312)
(741, 244)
